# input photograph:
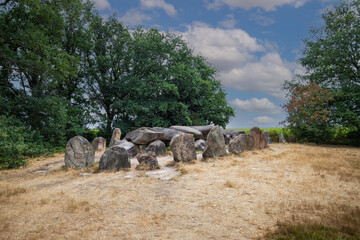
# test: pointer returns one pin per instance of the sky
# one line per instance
(254, 44)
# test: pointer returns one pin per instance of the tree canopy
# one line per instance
(64, 68)
(332, 60)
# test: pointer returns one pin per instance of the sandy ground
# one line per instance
(235, 197)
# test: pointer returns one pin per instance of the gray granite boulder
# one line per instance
(115, 157)
(258, 137)
(203, 129)
(158, 147)
(99, 144)
(200, 145)
(266, 138)
(242, 143)
(132, 149)
(147, 161)
(168, 133)
(183, 148)
(79, 153)
(143, 136)
(115, 138)
(189, 130)
(215, 144)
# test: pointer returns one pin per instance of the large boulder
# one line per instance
(132, 149)
(183, 148)
(168, 133)
(115, 157)
(99, 144)
(200, 145)
(189, 130)
(266, 138)
(258, 137)
(147, 161)
(158, 147)
(236, 133)
(203, 129)
(115, 138)
(79, 153)
(215, 144)
(143, 136)
(242, 143)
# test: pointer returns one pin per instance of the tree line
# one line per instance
(65, 69)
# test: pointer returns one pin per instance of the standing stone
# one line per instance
(99, 144)
(242, 143)
(282, 138)
(115, 157)
(132, 149)
(79, 153)
(215, 144)
(147, 161)
(143, 136)
(189, 130)
(266, 138)
(183, 148)
(115, 138)
(200, 145)
(258, 137)
(158, 147)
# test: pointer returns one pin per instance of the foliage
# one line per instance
(17, 142)
(308, 113)
(332, 61)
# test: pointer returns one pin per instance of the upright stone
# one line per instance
(158, 147)
(115, 157)
(99, 144)
(242, 143)
(79, 153)
(215, 144)
(115, 138)
(147, 161)
(258, 137)
(282, 138)
(183, 148)
(266, 138)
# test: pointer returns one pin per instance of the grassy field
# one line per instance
(288, 191)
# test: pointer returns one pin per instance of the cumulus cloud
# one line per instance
(101, 4)
(263, 120)
(235, 54)
(229, 22)
(150, 4)
(267, 5)
(134, 17)
(263, 105)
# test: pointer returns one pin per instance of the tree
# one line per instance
(332, 63)
(308, 112)
(332, 59)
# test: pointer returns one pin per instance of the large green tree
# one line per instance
(332, 60)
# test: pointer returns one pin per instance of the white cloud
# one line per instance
(101, 4)
(260, 19)
(235, 54)
(263, 120)
(263, 105)
(229, 22)
(134, 17)
(150, 4)
(268, 5)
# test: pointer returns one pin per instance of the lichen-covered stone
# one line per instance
(215, 144)
(242, 143)
(183, 148)
(79, 153)
(115, 157)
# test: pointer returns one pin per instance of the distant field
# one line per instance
(258, 195)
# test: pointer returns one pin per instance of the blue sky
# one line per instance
(254, 44)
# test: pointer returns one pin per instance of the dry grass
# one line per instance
(237, 197)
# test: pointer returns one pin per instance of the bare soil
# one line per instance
(235, 197)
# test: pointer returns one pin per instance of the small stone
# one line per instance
(158, 147)
(183, 148)
(115, 138)
(115, 157)
(99, 144)
(147, 161)
(200, 145)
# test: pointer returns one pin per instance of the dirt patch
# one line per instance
(235, 197)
